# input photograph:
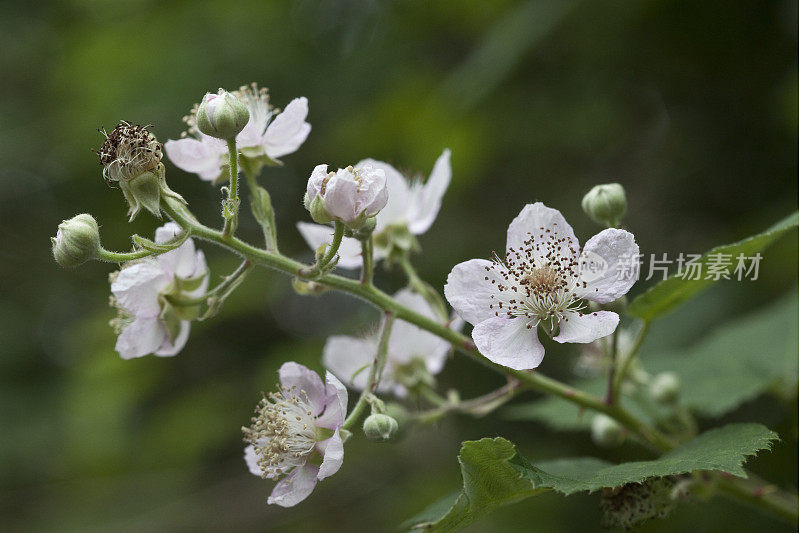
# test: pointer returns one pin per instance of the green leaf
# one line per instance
(738, 361)
(495, 474)
(668, 294)
(490, 481)
(722, 449)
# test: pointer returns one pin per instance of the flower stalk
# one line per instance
(375, 372)
(230, 207)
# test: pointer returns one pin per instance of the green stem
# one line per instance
(422, 287)
(333, 249)
(121, 257)
(231, 211)
(761, 496)
(531, 380)
(611, 393)
(625, 362)
(375, 372)
(264, 216)
(366, 258)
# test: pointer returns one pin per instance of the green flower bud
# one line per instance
(665, 388)
(131, 159)
(222, 115)
(380, 428)
(317, 208)
(77, 241)
(606, 204)
(606, 432)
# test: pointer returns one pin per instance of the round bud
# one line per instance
(606, 432)
(222, 115)
(380, 428)
(665, 388)
(77, 241)
(606, 204)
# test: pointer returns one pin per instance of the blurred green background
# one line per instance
(692, 106)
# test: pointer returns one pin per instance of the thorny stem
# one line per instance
(120, 257)
(315, 269)
(375, 372)
(381, 300)
(232, 218)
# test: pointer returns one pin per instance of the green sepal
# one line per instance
(170, 318)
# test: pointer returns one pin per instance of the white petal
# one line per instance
(333, 456)
(169, 348)
(408, 341)
(470, 293)
(429, 201)
(340, 196)
(315, 181)
(399, 195)
(349, 251)
(181, 261)
(544, 225)
(251, 458)
(508, 342)
(198, 157)
(137, 286)
(335, 404)
(609, 266)
(301, 381)
(141, 337)
(295, 487)
(583, 328)
(372, 194)
(288, 130)
(344, 356)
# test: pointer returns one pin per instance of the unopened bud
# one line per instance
(665, 388)
(606, 432)
(606, 204)
(77, 241)
(222, 115)
(380, 428)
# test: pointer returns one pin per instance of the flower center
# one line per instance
(538, 279)
(283, 431)
(129, 151)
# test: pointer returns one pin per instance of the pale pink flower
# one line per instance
(347, 194)
(137, 293)
(543, 279)
(266, 134)
(412, 206)
(349, 357)
(293, 430)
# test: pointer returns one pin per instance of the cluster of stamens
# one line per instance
(128, 151)
(282, 431)
(539, 279)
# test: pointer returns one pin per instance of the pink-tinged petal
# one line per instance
(141, 337)
(349, 359)
(548, 229)
(288, 130)
(137, 286)
(301, 381)
(169, 348)
(372, 193)
(349, 251)
(470, 293)
(340, 196)
(295, 487)
(429, 201)
(609, 266)
(407, 341)
(333, 456)
(509, 342)
(202, 157)
(335, 404)
(399, 195)
(583, 328)
(251, 459)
